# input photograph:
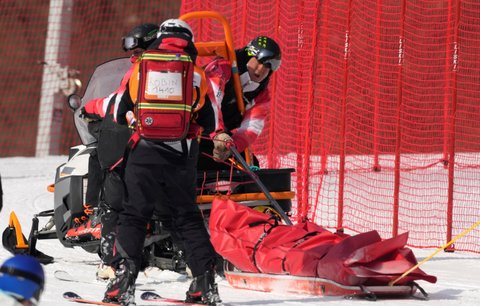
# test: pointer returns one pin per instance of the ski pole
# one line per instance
(434, 253)
(260, 185)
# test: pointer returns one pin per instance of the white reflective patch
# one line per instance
(164, 85)
(197, 79)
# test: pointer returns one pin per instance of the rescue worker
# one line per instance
(22, 280)
(161, 177)
(113, 187)
(110, 148)
(256, 63)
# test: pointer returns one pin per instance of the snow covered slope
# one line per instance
(25, 182)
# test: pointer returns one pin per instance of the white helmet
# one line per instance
(170, 26)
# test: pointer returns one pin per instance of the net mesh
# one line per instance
(375, 104)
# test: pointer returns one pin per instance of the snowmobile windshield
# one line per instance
(105, 79)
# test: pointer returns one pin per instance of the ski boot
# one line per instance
(203, 290)
(87, 227)
(121, 289)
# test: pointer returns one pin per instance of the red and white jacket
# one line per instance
(244, 130)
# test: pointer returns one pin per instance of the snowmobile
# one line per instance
(71, 179)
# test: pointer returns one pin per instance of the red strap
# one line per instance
(174, 44)
(132, 142)
(193, 130)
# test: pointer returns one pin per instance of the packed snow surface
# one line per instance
(25, 182)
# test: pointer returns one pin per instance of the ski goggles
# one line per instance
(129, 43)
(265, 57)
(268, 59)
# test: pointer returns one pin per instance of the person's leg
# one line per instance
(114, 195)
(95, 179)
(132, 224)
(180, 185)
(110, 207)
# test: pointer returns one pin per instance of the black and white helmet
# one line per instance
(176, 26)
(266, 50)
(140, 37)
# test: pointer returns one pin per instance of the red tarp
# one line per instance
(255, 242)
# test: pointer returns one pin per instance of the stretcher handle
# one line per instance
(260, 185)
(229, 51)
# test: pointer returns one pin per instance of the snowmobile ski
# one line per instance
(154, 297)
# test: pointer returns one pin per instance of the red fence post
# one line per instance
(341, 178)
(398, 141)
(451, 159)
(272, 162)
(376, 166)
(446, 100)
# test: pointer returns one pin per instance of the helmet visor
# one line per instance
(269, 59)
(129, 43)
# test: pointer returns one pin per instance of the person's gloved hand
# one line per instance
(88, 117)
(221, 146)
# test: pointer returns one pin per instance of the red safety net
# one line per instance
(45, 46)
(375, 104)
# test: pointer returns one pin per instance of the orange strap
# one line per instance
(280, 195)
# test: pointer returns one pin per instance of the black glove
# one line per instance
(88, 117)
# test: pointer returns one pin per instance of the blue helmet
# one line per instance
(22, 277)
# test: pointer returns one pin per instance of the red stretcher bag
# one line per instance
(256, 242)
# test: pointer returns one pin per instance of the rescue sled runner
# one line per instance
(247, 213)
(317, 286)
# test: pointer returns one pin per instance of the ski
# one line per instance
(146, 296)
(73, 297)
(63, 275)
(67, 277)
(154, 297)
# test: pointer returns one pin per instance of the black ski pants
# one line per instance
(111, 207)
(161, 180)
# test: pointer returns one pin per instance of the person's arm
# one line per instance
(209, 114)
(218, 73)
(206, 117)
(253, 121)
(209, 117)
(95, 109)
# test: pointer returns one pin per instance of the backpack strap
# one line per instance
(133, 82)
(197, 98)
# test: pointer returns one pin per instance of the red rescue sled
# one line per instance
(266, 255)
